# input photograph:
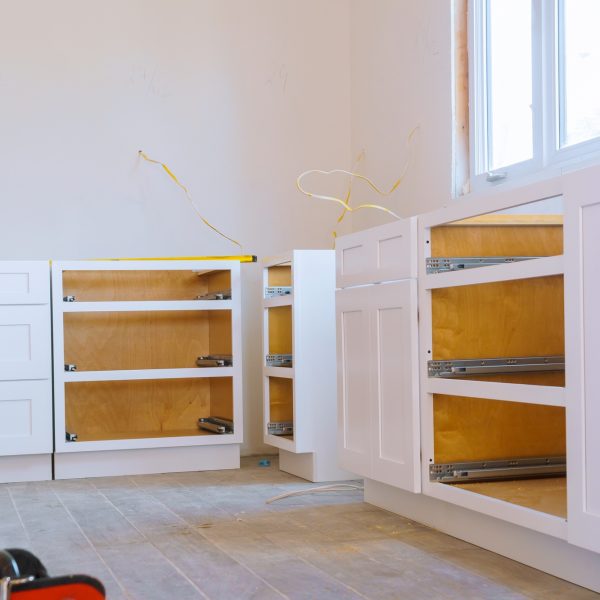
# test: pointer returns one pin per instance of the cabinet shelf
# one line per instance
(151, 305)
(141, 374)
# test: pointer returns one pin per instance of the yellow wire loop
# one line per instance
(346, 203)
(187, 195)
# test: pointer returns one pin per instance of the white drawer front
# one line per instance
(25, 417)
(385, 253)
(24, 282)
(25, 342)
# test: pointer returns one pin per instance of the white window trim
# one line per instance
(548, 160)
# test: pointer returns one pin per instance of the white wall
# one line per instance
(401, 77)
(237, 97)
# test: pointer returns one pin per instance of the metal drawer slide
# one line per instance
(481, 366)
(279, 360)
(458, 263)
(498, 470)
(279, 290)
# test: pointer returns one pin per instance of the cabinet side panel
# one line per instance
(590, 220)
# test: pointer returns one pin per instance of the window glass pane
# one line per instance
(580, 77)
(510, 119)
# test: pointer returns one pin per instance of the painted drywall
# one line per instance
(237, 97)
(401, 78)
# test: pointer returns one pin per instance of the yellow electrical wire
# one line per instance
(346, 203)
(187, 195)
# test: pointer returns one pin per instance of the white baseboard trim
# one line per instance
(26, 467)
(74, 465)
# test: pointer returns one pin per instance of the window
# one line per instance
(534, 71)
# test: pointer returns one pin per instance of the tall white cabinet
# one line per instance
(299, 380)
(142, 351)
(25, 372)
(376, 306)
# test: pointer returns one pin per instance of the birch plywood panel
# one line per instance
(144, 408)
(280, 330)
(100, 286)
(468, 429)
(280, 275)
(511, 318)
(281, 399)
(500, 235)
(137, 340)
(546, 495)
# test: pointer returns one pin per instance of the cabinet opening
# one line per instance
(120, 410)
(521, 319)
(101, 341)
(525, 442)
(152, 285)
(281, 403)
(280, 330)
(279, 275)
(529, 231)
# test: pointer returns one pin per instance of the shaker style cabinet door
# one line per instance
(394, 385)
(354, 380)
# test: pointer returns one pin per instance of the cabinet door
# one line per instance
(372, 255)
(25, 342)
(394, 385)
(582, 328)
(25, 417)
(354, 386)
(24, 282)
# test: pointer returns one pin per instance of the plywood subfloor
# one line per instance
(545, 495)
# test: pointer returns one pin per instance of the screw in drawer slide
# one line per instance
(279, 360)
(69, 299)
(481, 366)
(69, 368)
(498, 470)
(216, 424)
(280, 428)
(445, 264)
(215, 360)
(279, 290)
(70, 437)
(220, 295)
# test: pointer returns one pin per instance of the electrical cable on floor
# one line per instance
(337, 487)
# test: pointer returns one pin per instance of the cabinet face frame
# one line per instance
(61, 377)
(554, 396)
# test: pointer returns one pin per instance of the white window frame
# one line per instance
(547, 65)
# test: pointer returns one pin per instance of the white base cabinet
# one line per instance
(143, 352)
(25, 371)
(492, 300)
(299, 370)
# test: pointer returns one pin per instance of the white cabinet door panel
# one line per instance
(25, 417)
(24, 282)
(384, 253)
(25, 342)
(353, 342)
(582, 331)
(395, 402)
